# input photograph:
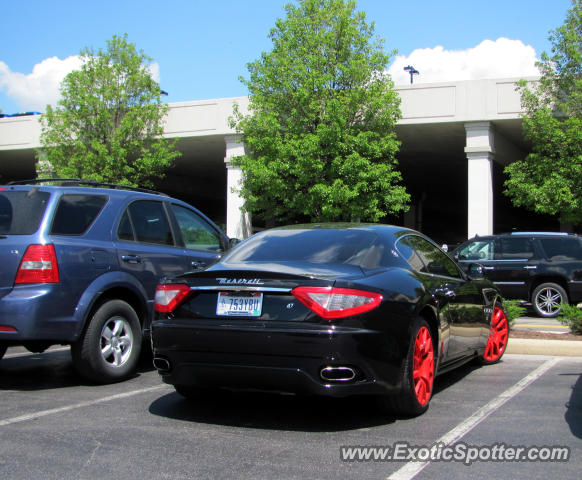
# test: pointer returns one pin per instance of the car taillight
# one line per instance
(39, 265)
(328, 302)
(169, 296)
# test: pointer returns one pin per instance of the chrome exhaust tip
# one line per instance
(161, 364)
(337, 374)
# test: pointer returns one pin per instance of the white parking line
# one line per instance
(44, 413)
(411, 469)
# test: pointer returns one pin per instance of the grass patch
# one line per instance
(513, 309)
(571, 316)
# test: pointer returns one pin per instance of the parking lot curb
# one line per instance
(567, 348)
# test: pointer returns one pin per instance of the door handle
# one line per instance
(530, 267)
(197, 265)
(488, 268)
(131, 259)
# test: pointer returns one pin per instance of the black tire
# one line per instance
(109, 349)
(407, 401)
(546, 300)
(3, 349)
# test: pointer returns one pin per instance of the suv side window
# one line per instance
(146, 221)
(75, 213)
(514, 248)
(562, 249)
(478, 250)
(414, 248)
(196, 232)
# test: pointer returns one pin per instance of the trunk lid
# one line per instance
(261, 294)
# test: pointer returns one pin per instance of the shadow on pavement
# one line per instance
(260, 410)
(573, 414)
(271, 411)
(48, 370)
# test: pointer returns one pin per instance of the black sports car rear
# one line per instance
(333, 309)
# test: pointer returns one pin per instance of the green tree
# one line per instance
(320, 136)
(549, 179)
(108, 124)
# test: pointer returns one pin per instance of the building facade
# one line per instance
(456, 138)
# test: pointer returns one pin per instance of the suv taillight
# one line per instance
(38, 265)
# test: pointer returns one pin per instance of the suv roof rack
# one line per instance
(77, 182)
(562, 234)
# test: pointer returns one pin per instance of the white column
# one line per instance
(238, 223)
(480, 153)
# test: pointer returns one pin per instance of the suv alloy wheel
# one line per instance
(547, 298)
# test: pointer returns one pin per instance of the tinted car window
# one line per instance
(406, 249)
(196, 232)
(22, 211)
(512, 248)
(353, 247)
(146, 221)
(424, 257)
(125, 230)
(75, 213)
(562, 249)
(477, 250)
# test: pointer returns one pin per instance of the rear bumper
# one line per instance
(37, 312)
(280, 356)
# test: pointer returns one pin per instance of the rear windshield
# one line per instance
(21, 211)
(319, 246)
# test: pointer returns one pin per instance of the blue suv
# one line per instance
(80, 264)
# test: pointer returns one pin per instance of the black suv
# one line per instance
(543, 268)
(81, 262)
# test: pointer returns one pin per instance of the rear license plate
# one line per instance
(233, 304)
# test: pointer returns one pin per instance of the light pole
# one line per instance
(413, 71)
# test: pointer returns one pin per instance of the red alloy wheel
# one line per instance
(423, 366)
(497, 336)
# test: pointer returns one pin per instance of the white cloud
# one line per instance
(154, 69)
(502, 58)
(35, 90)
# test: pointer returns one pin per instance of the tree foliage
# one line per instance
(549, 179)
(108, 124)
(320, 139)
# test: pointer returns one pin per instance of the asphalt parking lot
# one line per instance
(55, 426)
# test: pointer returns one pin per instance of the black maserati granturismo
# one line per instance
(330, 309)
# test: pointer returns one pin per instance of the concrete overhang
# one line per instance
(433, 126)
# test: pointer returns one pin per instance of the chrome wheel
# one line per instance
(109, 349)
(547, 299)
(116, 341)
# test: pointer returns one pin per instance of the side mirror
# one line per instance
(475, 271)
(233, 242)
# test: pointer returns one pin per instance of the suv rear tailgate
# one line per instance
(12, 249)
(21, 212)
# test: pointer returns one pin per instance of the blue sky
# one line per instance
(202, 47)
